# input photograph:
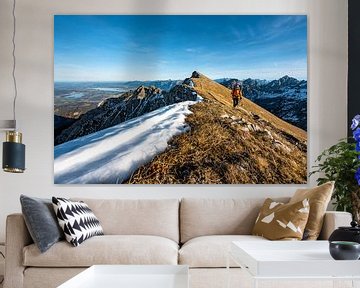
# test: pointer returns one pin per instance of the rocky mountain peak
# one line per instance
(189, 82)
(195, 74)
(142, 91)
(286, 80)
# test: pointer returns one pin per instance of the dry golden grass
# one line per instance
(219, 150)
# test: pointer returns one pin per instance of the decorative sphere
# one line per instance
(344, 250)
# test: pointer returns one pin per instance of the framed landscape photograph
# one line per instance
(180, 99)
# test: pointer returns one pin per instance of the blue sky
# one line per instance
(121, 48)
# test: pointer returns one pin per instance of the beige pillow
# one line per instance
(319, 198)
(279, 221)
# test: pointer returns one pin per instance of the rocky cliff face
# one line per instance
(129, 105)
(61, 123)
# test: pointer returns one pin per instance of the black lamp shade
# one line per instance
(13, 157)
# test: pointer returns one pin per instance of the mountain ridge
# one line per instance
(246, 145)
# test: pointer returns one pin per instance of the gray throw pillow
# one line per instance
(41, 221)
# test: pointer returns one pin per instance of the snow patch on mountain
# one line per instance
(113, 154)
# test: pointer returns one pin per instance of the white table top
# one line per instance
(291, 259)
(131, 276)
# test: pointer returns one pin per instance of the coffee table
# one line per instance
(131, 276)
(292, 260)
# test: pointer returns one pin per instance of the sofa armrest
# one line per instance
(333, 220)
(17, 237)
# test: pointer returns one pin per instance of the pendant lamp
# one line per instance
(13, 160)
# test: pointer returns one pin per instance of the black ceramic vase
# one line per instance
(351, 234)
(343, 250)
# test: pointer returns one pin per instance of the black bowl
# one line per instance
(343, 250)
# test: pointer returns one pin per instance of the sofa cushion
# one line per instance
(279, 221)
(76, 220)
(41, 221)
(211, 251)
(319, 198)
(137, 217)
(107, 249)
(201, 217)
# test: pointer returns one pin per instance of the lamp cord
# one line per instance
(14, 61)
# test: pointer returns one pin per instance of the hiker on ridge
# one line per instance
(236, 93)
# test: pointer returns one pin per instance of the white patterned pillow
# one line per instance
(77, 220)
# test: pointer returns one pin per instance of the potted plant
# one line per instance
(341, 163)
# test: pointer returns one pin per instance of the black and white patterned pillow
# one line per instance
(77, 220)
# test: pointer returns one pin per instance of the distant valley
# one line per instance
(73, 99)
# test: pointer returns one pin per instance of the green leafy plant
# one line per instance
(339, 163)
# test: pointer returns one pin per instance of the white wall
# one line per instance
(327, 89)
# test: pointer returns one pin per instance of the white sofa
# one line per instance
(194, 232)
